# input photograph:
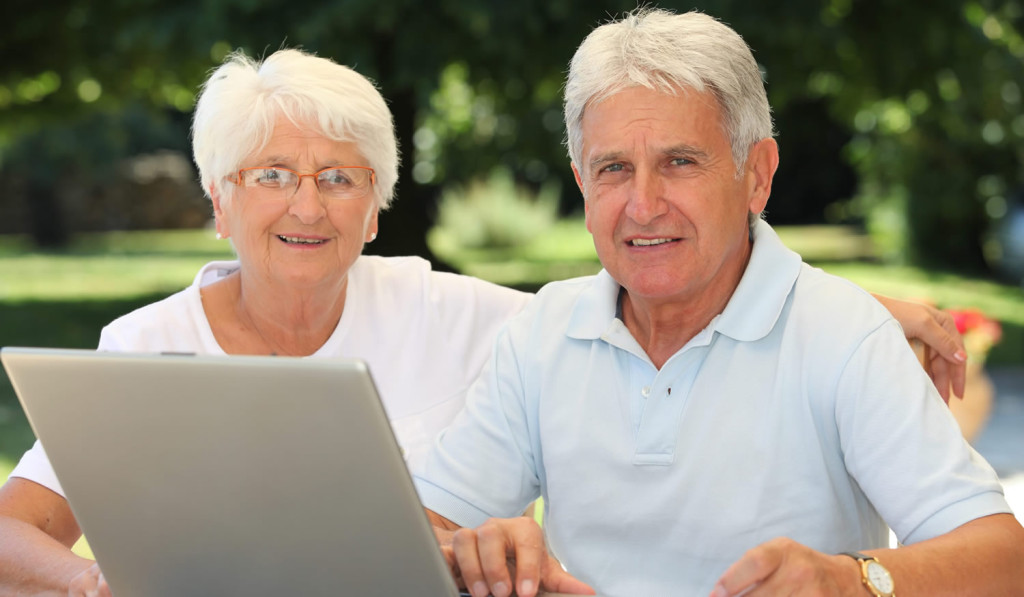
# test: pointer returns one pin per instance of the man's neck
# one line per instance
(661, 330)
(663, 326)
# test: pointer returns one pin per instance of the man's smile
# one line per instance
(647, 242)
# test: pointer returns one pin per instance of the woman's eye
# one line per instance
(336, 178)
(269, 175)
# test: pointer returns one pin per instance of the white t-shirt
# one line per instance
(425, 336)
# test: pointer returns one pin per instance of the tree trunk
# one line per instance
(46, 217)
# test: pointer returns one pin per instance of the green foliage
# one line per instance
(932, 98)
(493, 213)
(925, 96)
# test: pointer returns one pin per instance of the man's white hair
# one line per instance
(669, 53)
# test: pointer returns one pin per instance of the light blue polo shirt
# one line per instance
(800, 411)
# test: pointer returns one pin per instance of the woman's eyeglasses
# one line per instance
(338, 182)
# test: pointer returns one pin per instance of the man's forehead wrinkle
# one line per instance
(678, 149)
(623, 144)
(635, 129)
(685, 149)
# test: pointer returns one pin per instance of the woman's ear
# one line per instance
(371, 228)
(218, 213)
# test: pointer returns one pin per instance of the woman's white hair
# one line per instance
(669, 53)
(243, 98)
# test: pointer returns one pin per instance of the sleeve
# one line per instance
(483, 465)
(902, 445)
(124, 334)
(35, 466)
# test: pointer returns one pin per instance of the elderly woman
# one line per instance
(298, 156)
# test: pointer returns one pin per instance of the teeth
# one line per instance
(646, 242)
(301, 241)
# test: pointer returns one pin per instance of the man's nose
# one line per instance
(647, 197)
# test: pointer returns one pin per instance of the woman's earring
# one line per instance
(373, 236)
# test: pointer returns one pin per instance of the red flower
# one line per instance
(980, 333)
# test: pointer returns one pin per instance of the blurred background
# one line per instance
(901, 128)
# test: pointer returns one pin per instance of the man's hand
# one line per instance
(485, 559)
(944, 358)
(90, 583)
(785, 567)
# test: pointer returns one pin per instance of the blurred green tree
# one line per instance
(912, 106)
(930, 94)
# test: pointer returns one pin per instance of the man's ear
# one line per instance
(762, 162)
(579, 179)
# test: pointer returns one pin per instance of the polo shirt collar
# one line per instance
(758, 300)
(750, 315)
(595, 308)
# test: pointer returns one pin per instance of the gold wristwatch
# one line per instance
(874, 575)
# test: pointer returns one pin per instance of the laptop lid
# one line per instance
(213, 475)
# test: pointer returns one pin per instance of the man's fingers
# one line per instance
(557, 580)
(500, 550)
(464, 544)
(530, 555)
(494, 546)
(755, 566)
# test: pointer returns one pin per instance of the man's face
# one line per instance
(664, 204)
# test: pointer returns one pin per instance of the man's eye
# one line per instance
(681, 161)
(611, 168)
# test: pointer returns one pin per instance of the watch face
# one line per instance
(880, 578)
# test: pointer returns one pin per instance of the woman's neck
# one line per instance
(248, 317)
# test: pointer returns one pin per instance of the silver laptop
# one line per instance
(201, 475)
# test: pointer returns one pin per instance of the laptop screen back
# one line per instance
(204, 475)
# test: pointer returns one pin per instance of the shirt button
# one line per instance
(645, 391)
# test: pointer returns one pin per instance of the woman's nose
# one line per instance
(306, 202)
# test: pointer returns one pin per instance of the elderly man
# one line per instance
(708, 415)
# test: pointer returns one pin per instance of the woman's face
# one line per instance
(303, 239)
